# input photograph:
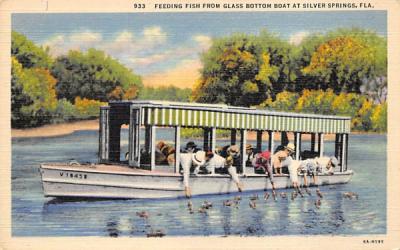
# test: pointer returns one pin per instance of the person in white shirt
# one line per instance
(188, 160)
(215, 161)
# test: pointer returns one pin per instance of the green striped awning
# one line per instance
(227, 117)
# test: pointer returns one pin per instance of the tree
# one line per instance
(170, 93)
(341, 64)
(237, 71)
(94, 75)
(374, 67)
(27, 53)
(33, 96)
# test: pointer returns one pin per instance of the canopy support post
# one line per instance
(152, 147)
(206, 139)
(271, 140)
(243, 139)
(134, 144)
(343, 160)
(321, 144)
(177, 148)
(312, 147)
(259, 140)
(213, 139)
(104, 135)
(298, 146)
(233, 136)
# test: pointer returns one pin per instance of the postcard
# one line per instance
(237, 124)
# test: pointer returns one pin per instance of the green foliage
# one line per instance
(342, 59)
(366, 116)
(168, 93)
(27, 53)
(86, 108)
(94, 75)
(284, 101)
(379, 118)
(33, 96)
(237, 71)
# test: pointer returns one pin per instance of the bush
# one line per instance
(86, 108)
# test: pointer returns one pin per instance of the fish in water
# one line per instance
(202, 210)
(252, 204)
(266, 196)
(143, 214)
(157, 233)
(317, 203)
(308, 191)
(319, 193)
(254, 197)
(206, 204)
(294, 195)
(237, 198)
(350, 195)
(228, 203)
(283, 195)
(300, 193)
(274, 195)
(190, 204)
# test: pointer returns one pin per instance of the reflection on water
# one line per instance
(34, 215)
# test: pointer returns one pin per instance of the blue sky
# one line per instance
(164, 47)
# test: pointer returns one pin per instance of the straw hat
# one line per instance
(199, 158)
(290, 147)
(249, 146)
(233, 149)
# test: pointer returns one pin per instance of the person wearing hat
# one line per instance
(233, 157)
(326, 165)
(261, 164)
(188, 160)
(249, 155)
(215, 161)
(191, 147)
(282, 158)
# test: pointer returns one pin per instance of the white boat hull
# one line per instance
(108, 181)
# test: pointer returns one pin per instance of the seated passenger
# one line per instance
(191, 147)
(250, 155)
(216, 163)
(262, 165)
(233, 157)
(279, 157)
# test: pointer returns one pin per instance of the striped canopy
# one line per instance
(227, 117)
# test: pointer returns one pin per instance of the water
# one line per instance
(34, 215)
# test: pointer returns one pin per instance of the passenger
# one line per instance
(250, 155)
(216, 162)
(294, 168)
(308, 167)
(262, 165)
(191, 147)
(189, 160)
(279, 157)
(326, 164)
(233, 157)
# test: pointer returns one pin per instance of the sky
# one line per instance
(165, 48)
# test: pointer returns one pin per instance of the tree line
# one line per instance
(341, 72)
(347, 66)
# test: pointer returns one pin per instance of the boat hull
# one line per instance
(107, 181)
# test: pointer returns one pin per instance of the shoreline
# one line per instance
(61, 129)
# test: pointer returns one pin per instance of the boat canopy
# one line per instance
(159, 113)
(210, 117)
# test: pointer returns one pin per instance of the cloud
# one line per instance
(298, 37)
(147, 52)
(184, 75)
(203, 41)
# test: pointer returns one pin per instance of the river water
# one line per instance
(35, 215)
